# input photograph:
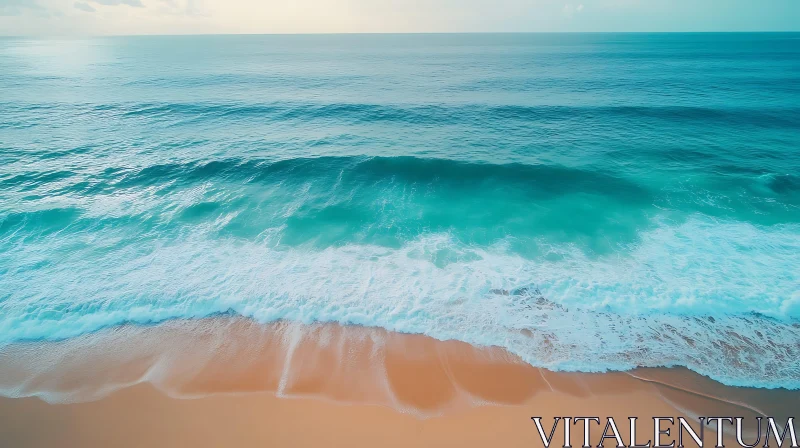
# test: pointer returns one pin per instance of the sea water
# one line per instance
(589, 202)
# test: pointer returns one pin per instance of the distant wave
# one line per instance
(493, 200)
(775, 117)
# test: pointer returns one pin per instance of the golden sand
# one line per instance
(234, 383)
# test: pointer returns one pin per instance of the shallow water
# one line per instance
(588, 201)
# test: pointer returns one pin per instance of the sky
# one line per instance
(110, 17)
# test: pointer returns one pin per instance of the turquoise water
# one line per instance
(589, 202)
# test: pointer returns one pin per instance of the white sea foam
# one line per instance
(721, 298)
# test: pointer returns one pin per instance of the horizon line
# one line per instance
(409, 33)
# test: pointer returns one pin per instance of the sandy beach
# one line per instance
(232, 382)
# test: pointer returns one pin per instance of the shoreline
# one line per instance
(141, 416)
(228, 370)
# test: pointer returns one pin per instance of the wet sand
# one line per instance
(232, 382)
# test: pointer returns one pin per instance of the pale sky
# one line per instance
(92, 17)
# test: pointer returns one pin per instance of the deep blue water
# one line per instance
(587, 201)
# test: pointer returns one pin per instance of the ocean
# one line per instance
(589, 202)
